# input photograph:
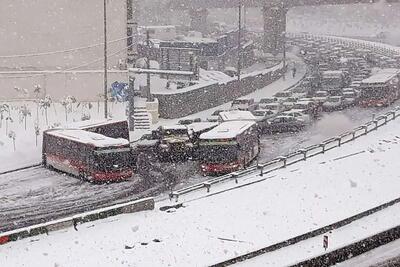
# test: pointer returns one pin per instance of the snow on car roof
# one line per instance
(237, 115)
(86, 137)
(228, 130)
(174, 127)
(332, 73)
(382, 76)
(200, 126)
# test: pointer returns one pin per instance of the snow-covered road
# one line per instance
(211, 228)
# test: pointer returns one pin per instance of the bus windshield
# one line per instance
(375, 93)
(108, 160)
(218, 153)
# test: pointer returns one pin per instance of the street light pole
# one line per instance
(105, 61)
(284, 54)
(239, 63)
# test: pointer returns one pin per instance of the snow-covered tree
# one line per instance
(12, 135)
(24, 112)
(45, 103)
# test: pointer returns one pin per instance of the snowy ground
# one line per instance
(211, 228)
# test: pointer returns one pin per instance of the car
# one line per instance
(298, 113)
(355, 84)
(320, 96)
(275, 106)
(282, 96)
(281, 124)
(349, 99)
(333, 103)
(300, 91)
(289, 103)
(247, 104)
(188, 121)
(266, 100)
(215, 116)
(311, 108)
(262, 114)
(230, 71)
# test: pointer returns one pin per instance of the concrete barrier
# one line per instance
(350, 251)
(201, 97)
(45, 228)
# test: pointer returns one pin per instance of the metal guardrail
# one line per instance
(45, 228)
(22, 168)
(292, 158)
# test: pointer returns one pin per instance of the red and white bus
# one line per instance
(381, 89)
(87, 155)
(229, 147)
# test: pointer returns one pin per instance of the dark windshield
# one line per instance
(376, 93)
(112, 161)
(218, 153)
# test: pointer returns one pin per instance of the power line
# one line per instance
(62, 51)
(69, 69)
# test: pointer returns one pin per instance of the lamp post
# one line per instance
(284, 54)
(105, 60)
(239, 63)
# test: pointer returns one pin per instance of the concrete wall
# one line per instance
(201, 98)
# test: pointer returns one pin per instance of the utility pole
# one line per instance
(284, 54)
(239, 63)
(148, 90)
(132, 12)
(105, 61)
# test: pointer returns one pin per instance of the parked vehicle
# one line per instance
(334, 80)
(349, 99)
(175, 143)
(214, 116)
(266, 100)
(275, 107)
(230, 71)
(320, 96)
(282, 96)
(311, 108)
(281, 124)
(333, 103)
(299, 114)
(87, 155)
(244, 104)
(228, 147)
(188, 121)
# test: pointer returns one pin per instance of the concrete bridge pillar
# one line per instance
(198, 19)
(274, 28)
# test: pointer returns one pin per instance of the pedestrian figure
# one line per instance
(294, 71)
(75, 223)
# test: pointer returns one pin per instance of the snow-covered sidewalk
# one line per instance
(210, 228)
